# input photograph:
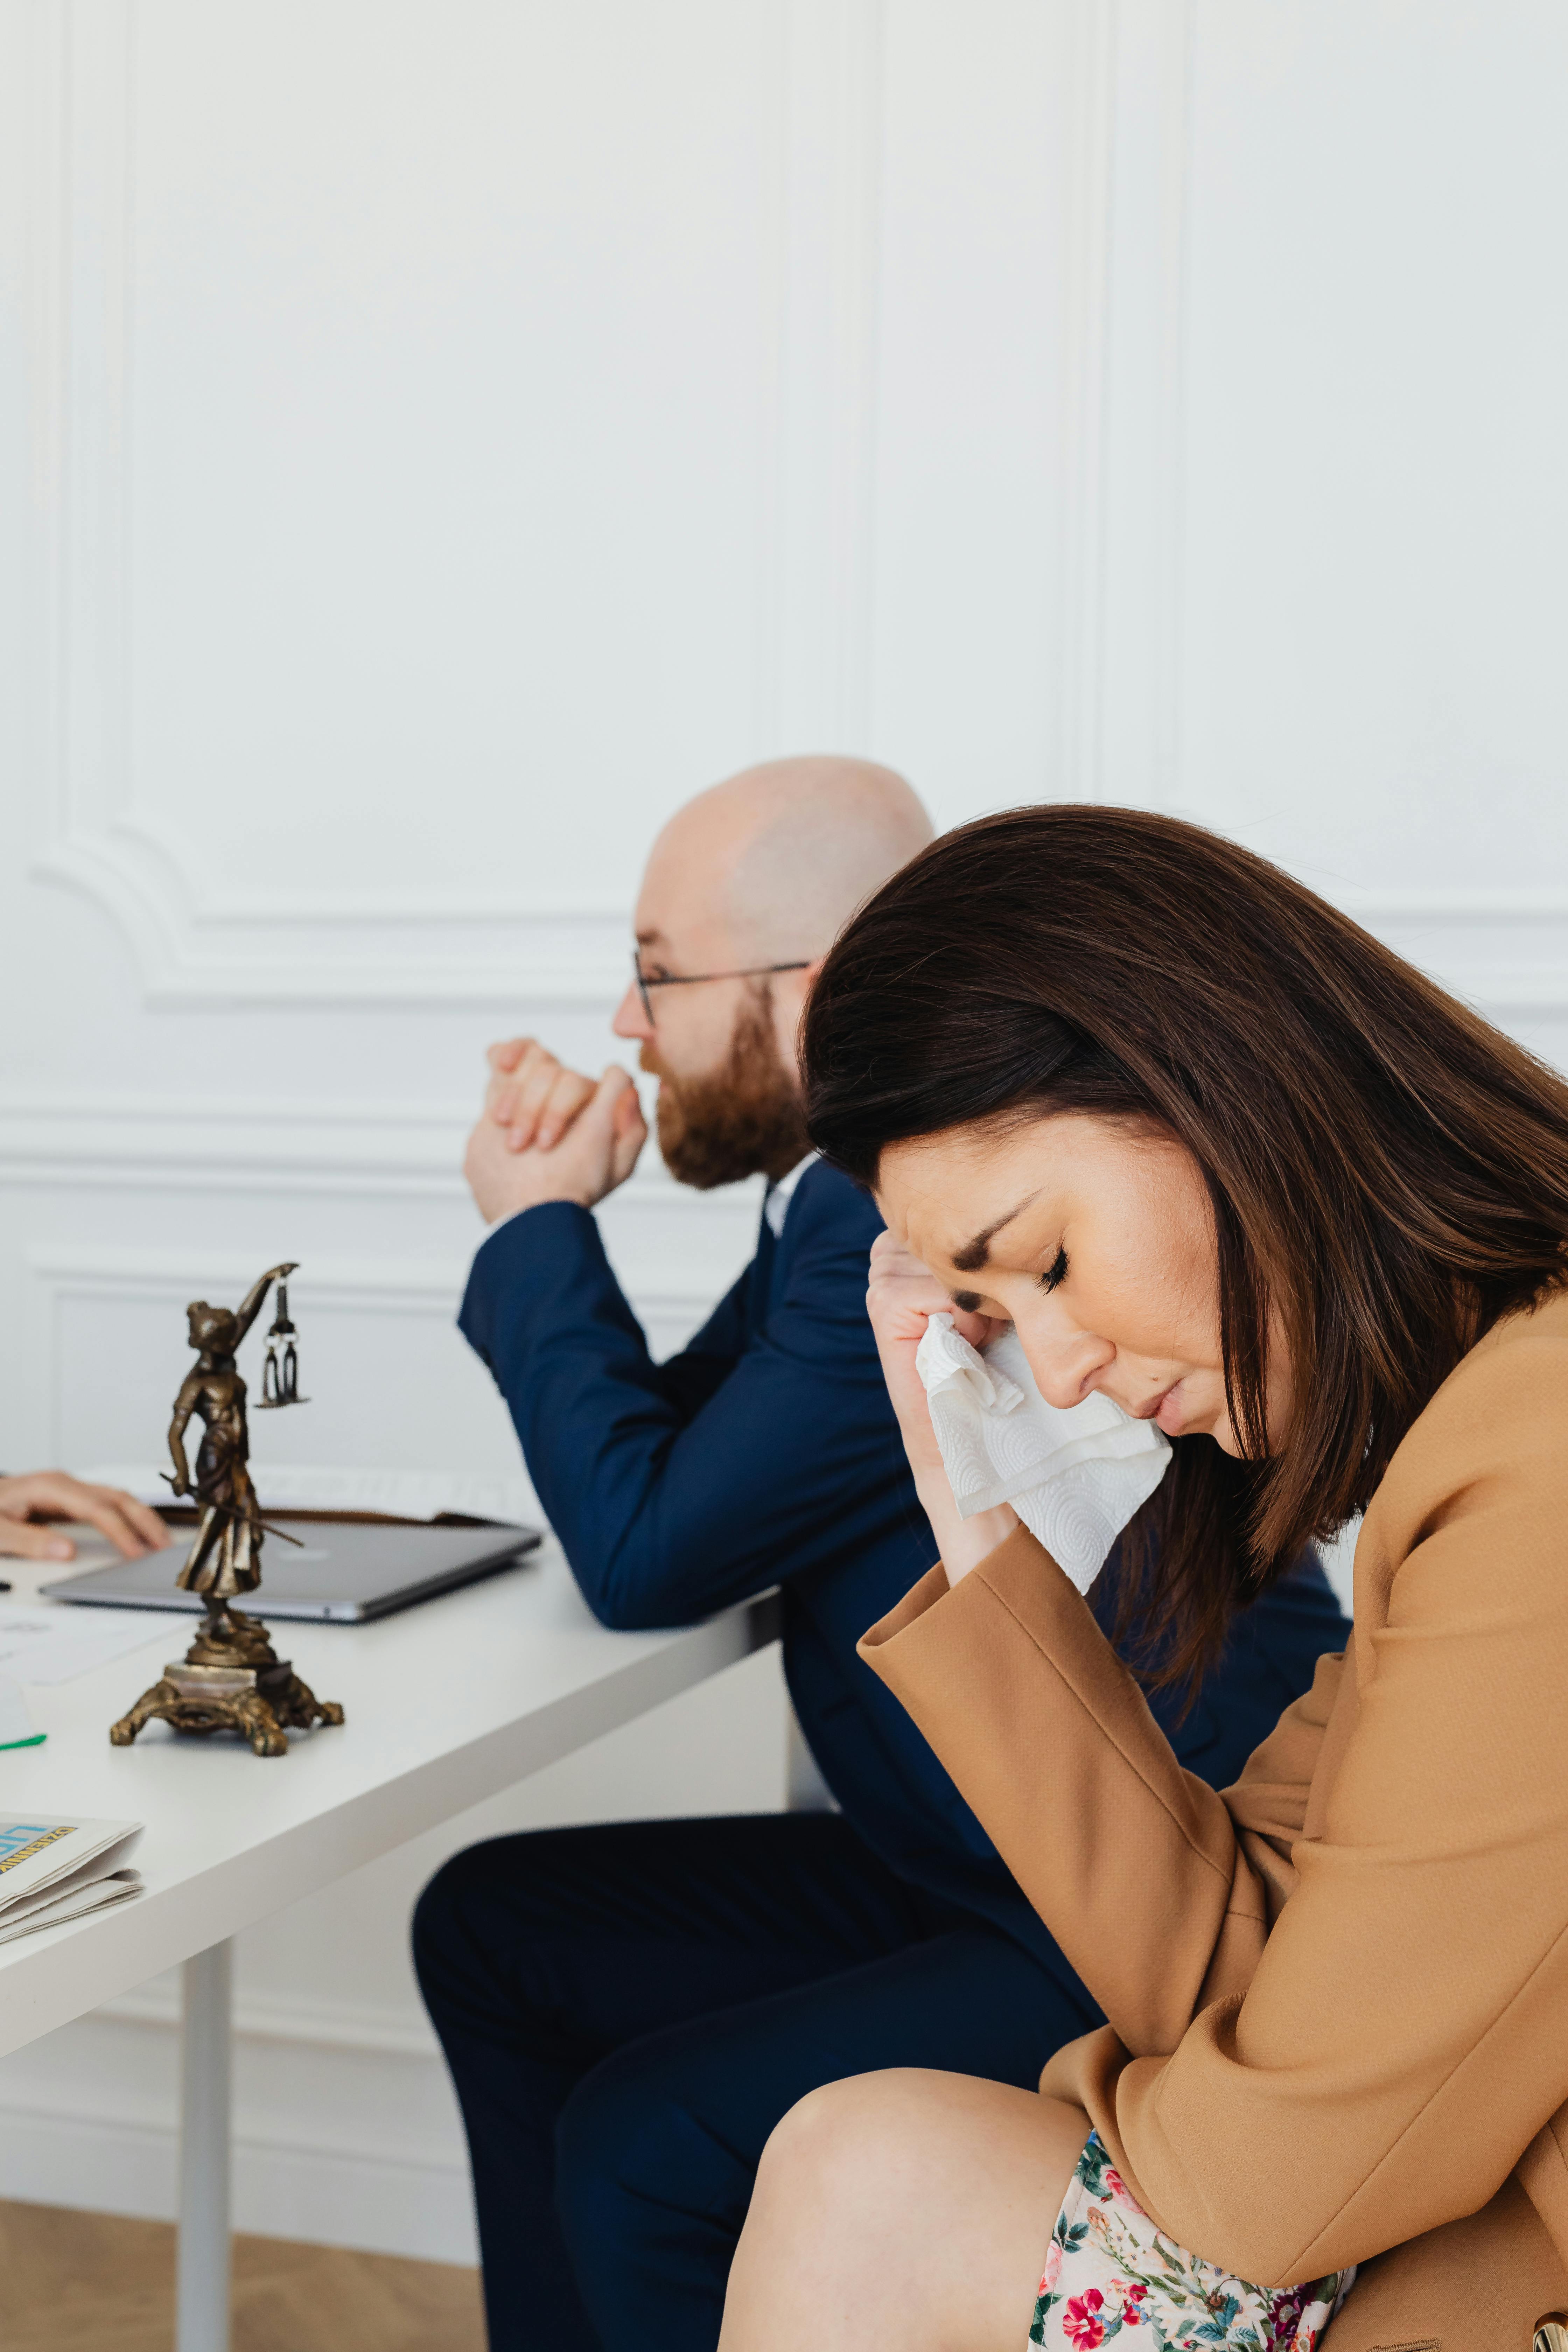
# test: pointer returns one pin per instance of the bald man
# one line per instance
(628, 2011)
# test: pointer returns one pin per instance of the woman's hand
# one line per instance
(131, 1527)
(903, 1296)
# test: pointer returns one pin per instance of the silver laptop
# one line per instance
(344, 1570)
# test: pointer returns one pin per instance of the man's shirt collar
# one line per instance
(775, 1208)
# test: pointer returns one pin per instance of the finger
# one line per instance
(577, 1095)
(906, 1283)
(102, 1508)
(45, 1494)
(598, 1120)
(630, 1135)
(500, 1098)
(901, 1304)
(593, 1127)
(504, 1093)
(18, 1540)
(908, 1279)
(909, 1306)
(534, 1084)
(508, 1054)
(895, 1262)
(486, 1146)
(898, 1322)
(888, 1253)
(566, 1098)
(152, 1530)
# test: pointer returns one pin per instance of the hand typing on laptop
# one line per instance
(44, 1495)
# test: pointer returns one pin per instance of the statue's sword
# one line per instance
(209, 1503)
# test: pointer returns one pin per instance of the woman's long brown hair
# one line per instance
(1388, 1172)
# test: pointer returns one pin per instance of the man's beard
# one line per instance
(742, 1119)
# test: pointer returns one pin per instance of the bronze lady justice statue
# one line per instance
(231, 1674)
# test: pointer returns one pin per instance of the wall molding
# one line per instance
(149, 1140)
(1504, 951)
(131, 1166)
(191, 949)
(193, 941)
(111, 1270)
(421, 1290)
(268, 2017)
(96, 2136)
(1447, 905)
(156, 1143)
(394, 1285)
(198, 940)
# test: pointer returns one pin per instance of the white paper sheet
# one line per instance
(50, 1641)
(52, 1869)
(53, 1911)
(17, 1726)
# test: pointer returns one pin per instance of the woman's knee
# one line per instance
(884, 2158)
(839, 2145)
(910, 2206)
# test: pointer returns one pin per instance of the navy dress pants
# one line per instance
(628, 2011)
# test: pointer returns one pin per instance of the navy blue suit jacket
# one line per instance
(767, 1453)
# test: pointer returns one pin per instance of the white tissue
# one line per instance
(1073, 1477)
(16, 1720)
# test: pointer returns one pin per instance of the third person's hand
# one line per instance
(44, 1495)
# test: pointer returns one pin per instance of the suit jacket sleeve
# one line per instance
(1051, 1741)
(689, 1379)
(1289, 2103)
(676, 1491)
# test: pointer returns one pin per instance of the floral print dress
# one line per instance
(1111, 2272)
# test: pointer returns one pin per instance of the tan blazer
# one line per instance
(1338, 1991)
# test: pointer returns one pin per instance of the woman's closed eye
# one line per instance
(1056, 1272)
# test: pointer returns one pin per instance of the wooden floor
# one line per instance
(91, 2283)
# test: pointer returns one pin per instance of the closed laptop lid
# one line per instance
(341, 1570)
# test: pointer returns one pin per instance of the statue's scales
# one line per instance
(231, 1677)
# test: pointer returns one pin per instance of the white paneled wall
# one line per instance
(432, 442)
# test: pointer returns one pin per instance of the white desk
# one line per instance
(446, 1703)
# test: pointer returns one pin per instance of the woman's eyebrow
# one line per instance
(973, 1255)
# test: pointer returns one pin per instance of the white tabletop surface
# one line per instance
(446, 1703)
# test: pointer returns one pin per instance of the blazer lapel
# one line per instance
(759, 1292)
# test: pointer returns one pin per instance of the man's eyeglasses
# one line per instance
(648, 982)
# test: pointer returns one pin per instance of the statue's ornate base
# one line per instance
(231, 1680)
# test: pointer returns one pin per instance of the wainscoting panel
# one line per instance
(434, 442)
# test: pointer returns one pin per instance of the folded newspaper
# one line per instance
(52, 1870)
